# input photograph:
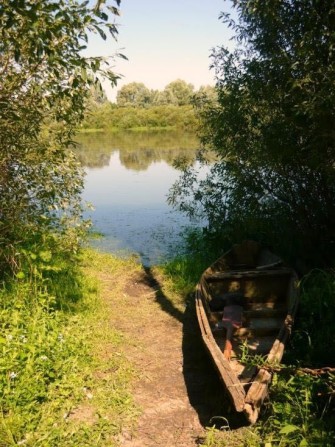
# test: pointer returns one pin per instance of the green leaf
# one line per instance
(46, 256)
(84, 74)
(101, 32)
(289, 429)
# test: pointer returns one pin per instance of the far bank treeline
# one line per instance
(138, 107)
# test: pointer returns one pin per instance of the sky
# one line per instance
(165, 40)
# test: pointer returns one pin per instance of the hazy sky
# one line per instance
(165, 40)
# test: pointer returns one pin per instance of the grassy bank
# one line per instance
(140, 129)
(64, 380)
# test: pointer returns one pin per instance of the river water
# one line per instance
(128, 176)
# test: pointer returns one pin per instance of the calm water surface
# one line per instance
(128, 177)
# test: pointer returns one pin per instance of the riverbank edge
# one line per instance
(135, 129)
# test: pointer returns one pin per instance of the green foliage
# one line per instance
(231, 438)
(180, 92)
(136, 94)
(109, 117)
(141, 108)
(194, 257)
(316, 317)
(205, 96)
(44, 84)
(295, 418)
(272, 130)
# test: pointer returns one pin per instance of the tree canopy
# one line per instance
(272, 130)
(178, 93)
(134, 94)
(45, 80)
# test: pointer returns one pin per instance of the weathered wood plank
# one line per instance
(265, 310)
(234, 386)
(246, 274)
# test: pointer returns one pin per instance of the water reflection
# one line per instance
(137, 149)
(128, 177)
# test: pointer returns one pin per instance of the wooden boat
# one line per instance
(246, 302)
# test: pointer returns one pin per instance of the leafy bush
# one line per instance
(169, 116)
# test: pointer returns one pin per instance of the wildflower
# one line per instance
(9, 337)
(44, 357)
(12, 375)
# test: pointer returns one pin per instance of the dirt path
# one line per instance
(172, 390)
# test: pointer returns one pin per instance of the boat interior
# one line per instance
(264, 296)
